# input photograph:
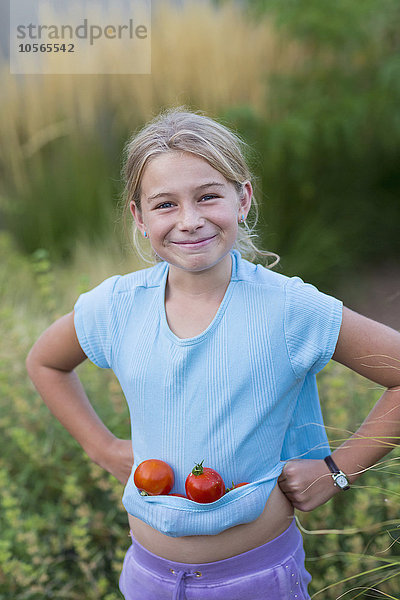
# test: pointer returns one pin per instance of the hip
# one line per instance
(273, 571)
(273, 521)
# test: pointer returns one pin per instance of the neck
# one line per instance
(200, 283)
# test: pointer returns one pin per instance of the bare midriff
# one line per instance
(274, 520)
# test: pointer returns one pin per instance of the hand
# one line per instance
(117, 459)
(307, 483)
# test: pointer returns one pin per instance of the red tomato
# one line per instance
(236, 486)
(180, 495)
(204, 484)
(154, 477)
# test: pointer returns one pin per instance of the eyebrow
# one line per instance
(199, 187)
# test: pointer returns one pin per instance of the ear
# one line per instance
(137, 215)
(245, 200)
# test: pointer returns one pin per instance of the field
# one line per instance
(316, 100)
(64, 530)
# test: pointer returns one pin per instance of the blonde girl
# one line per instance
(217, 358)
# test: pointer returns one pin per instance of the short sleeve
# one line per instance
(92, 319)
(312, 325)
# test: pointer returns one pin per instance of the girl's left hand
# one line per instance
(307, 483)
(117, 459)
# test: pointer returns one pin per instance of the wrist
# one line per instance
(116, 457)
(340, 479)
(99, 450)
(347, 461)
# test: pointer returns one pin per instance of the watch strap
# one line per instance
(331, 464)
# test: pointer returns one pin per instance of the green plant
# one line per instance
(325, 145)
(64, 531)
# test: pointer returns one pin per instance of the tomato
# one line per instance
(179, 495)
(154, 477)
(234, 486)
(204, 484)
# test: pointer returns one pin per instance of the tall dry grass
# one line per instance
(206, 57)
(201, 54)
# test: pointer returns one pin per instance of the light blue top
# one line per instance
(241, 395)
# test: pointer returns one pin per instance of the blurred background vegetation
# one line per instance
(314, 89)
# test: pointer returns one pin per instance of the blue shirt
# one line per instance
(241, 395)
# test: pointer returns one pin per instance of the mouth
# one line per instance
(195, 243)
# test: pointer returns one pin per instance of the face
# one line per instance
(189, 211)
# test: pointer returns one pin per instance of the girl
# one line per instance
(217, 359)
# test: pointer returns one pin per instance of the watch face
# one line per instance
(341, 481)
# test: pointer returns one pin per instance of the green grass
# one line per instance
(63, 529)
(316, 99)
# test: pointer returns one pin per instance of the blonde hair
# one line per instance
(187, 131)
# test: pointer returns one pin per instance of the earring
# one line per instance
(242, 219)
(145, 234)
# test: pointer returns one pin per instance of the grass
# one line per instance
(60, 164)
(315, 99)
(64, 530)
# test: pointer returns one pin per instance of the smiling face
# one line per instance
(189, 210)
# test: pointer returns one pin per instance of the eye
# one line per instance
(209, 197)
(164, 205)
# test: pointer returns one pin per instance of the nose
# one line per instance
(190, 218)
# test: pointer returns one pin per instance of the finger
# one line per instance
(282, 477)
(291, 499)
(288, 491)
(284, 487)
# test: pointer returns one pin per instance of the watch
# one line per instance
(339, 478)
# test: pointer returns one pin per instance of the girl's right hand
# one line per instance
(118, 459)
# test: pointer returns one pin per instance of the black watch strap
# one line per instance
(331, 464)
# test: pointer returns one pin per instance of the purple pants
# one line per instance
(274, 571)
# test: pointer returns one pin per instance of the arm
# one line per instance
(373, 350)
(50, 364)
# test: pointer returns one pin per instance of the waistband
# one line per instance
(269, 555)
